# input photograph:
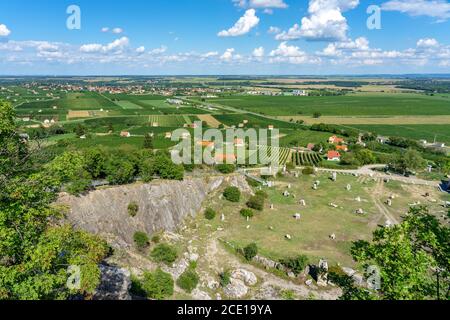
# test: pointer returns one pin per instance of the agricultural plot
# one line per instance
(306, 159)
(167, 121)
(268, 154)
(253, 121)
(417, 132)
(349, 105)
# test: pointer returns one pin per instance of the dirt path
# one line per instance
(376, 195)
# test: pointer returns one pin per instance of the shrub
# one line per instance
(188, 281)
(232, 194)
(262, 194)
(225, 278)
(226, 168)
(288, 295)
(295, 264)
(250, 251)
(140, 239)
(308, 171)
(157, 285)
(256, 202)
(210, 214)
(156, 238)
(247, 213)
(133, 209)
(164, 253)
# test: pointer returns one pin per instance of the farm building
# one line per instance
(333, 156)
(125, 134)
(335, 140)
(168, 135)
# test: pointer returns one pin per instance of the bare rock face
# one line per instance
(236, 289)
(114, 284)
(163, 205)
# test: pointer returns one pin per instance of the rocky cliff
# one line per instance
(163, 205)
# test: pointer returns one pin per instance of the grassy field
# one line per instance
(373, 120)
(253, 121)
(350, 105)
(310, 234)
(416, 132)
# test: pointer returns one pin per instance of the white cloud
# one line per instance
(117, 44)
(243, 26)
(105, 29)
(290, 54)
(229, 56)
(117, 30)
(4, 31)
(325, 21)
(274, 30)
(439, 9)
(209, 54)
(427, 43)
(276, 4)
(159, 50)
(258, 52)
(141, 49)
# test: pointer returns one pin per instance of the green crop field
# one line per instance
(253, 121)
(352, 104)
(417, 132)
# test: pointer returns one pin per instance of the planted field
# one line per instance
(268, 154)
(253, 121)
(306, 158)
(417, 132)
(167, 121)
(351, 105)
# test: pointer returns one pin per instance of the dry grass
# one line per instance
(78, 114)
(210, 120)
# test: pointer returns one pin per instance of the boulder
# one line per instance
(236, 289)
(248, 277)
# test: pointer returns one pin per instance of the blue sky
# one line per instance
(224, 37)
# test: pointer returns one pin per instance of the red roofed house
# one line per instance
(334, 156)
(342, 148)
(335, 140)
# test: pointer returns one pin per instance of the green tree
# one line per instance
(95, 162)
(250, 251)
(188, 280)
(295, 264)
(35, 250)
(157, 285)
(365, 156)
(140, 240)
(256, 202)
(210, 214)
(148, 141)
(164, 253)
(413, 260)
(232, 194)
(247, 213)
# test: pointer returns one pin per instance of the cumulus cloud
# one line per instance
(209, 54)
(4, 31)
(439, 9)
(159, 50)
(324, 22)
(427, 43)
(117, 30)
(274, 30)
(141, 49)
(290, 54)
(104, 29)
(117, 44)
(228, 55)
(276, 4)
(243, 26)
